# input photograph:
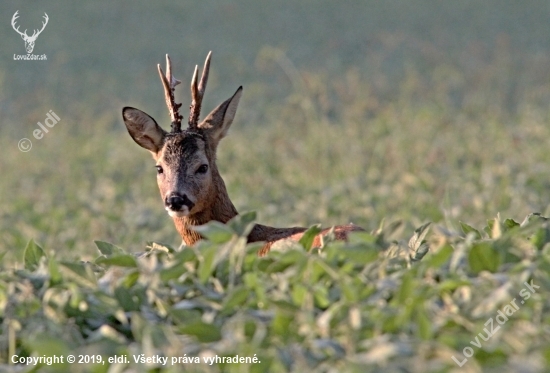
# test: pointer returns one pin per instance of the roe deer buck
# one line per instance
(190, 184)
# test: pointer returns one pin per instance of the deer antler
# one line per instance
(197, 92)
(45, 16)
(169, 83)
(35, 33)
(15, 16)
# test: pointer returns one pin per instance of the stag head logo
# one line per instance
(29, 40)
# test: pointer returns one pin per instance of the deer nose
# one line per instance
(176, 202)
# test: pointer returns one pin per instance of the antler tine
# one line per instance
(197, 92)
(169, 83)
(13, 21)
(205, 71)
(194, 87)
(46, 18)
(15, 16)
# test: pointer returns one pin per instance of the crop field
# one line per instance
(426, 123)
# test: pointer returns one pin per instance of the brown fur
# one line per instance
(181, 156)
(273, 235)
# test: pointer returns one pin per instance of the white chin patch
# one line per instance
(178, 214)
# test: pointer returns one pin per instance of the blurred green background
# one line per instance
(352, 111)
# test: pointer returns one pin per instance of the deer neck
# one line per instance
(221, 209)
(271, 234)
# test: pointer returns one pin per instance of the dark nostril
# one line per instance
(176, 202)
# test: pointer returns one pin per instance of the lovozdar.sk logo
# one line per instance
(29, 40)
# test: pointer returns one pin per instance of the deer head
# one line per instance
(29, 40)
(187, 176)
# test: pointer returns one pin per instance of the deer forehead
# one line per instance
(184, 149)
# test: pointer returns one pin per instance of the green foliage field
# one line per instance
(390, 115)
(372, 304)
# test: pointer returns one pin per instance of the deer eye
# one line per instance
(159, 169)
(202, 169)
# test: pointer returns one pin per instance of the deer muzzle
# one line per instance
(178, 205)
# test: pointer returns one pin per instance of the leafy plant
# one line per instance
(363, 305)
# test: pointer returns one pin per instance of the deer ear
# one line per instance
(217, 123)
(143, 129)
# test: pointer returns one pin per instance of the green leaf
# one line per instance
(540, 237)
(320, 294)
(32, 255)
(285, 306)
(173, 272)
(126, 300)
(424, 324)
(361, 237)
(318, 269)
(236, 298)
(205, 333)
(417, 244)
(130, 279)
(250, 279)
(534, 217)
(187, 254)
(418, 237)
(80, 273)
(107, 249)
(483, 256)
(285, 260)
(421, 251)
(406, 289)
(309, 236)
(510, 223)
(242, 224)
(49, 345)
(440, 257)
(215, 232)
(469, 229)
(451, 285)
(281, 324)
(349, 290)
(207, 263)
(55, 274)
(298, 294)
(360, 255)
(124, 260)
